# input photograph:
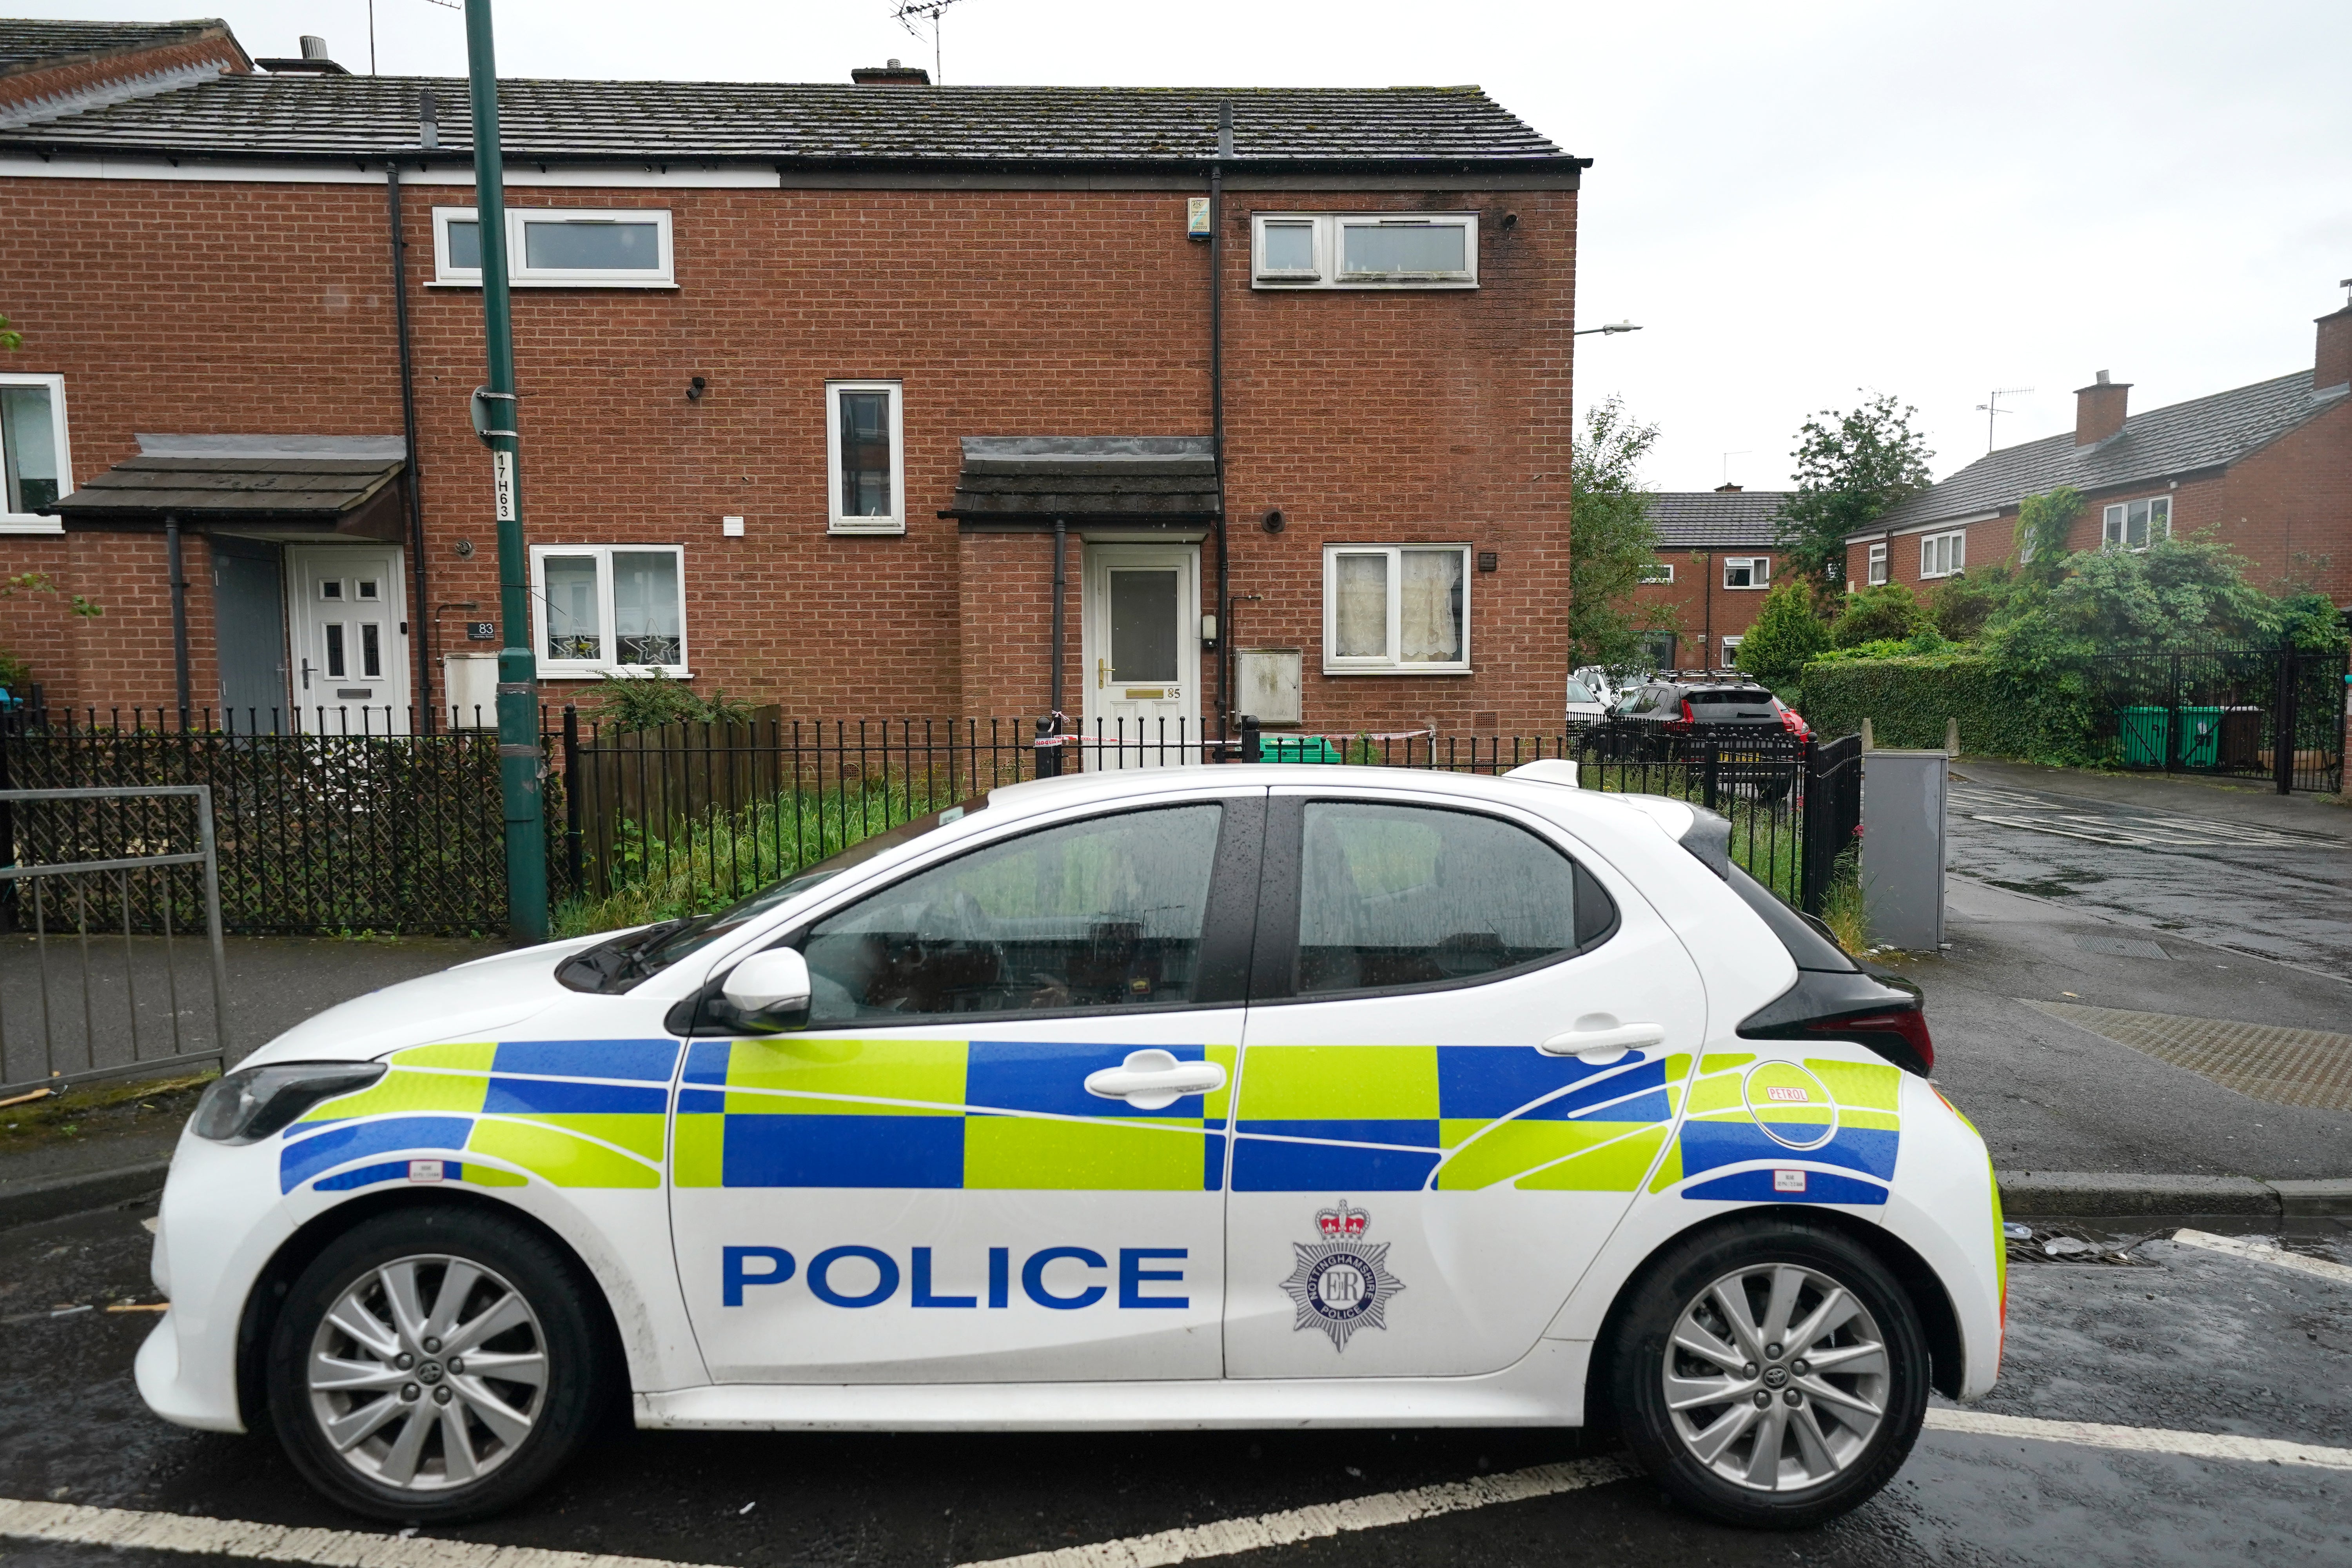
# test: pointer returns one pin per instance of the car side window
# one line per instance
(1097, 914)
(1403, 895)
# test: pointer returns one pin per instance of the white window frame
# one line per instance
(1759, 573)
(446, 276)
(593, 669)
(2116, 519)
(1873, 571)
(1731, 642)
(1326, 273)
(35, 521)
(1388, 663)
(835, 521)
(1946, 552)
(1656, 574)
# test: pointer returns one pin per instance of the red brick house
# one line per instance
(811, 377)
(1717, 557)
(2265, 469)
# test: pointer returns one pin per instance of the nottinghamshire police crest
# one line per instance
(1341, 1284)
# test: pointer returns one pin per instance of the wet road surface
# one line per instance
(2184, 1340)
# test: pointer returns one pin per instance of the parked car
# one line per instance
(1697, 717)
(1605, 683)
(1282, 1095)
(1585, 706)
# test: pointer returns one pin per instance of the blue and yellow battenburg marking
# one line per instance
(1835, 1122)
(1452, 1118)
(573, 1113)
(809, 1111)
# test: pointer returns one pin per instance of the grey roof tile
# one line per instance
(1716, 520)
(359, 116)
(2180, 438)
(27, 43)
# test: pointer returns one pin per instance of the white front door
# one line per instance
(347, 627)
(1142, 648)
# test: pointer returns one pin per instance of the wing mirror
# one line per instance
(770, 989)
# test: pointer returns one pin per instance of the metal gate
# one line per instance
(2257, 713)
(105, 893)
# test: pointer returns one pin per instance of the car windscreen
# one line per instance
(1731, 704)
(622, 962)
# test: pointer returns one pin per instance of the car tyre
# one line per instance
(1844, 1397)
(438, 1363)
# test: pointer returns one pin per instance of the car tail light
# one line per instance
(1879, 1031)
(1853, 1007)
(1794, 723)
(1689, 720)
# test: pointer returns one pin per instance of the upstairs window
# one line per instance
(866, 450)
(609, 609)
(1658, 571)
(1877, 574)
(1943, 554)
(560, 248)
(1364, 251)
(1747, 570)
(1396, 609)
(33, 468)
(2136, 524)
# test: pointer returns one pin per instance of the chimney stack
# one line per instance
(1726, 488)
(2331, 366)
(891, 75)
(2099, 409)
(314, 48)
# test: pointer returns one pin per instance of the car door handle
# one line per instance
(1153, 1079)
(1599, 1047)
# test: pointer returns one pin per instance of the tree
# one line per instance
(2177, 593)
(1611, 538)
(1787, 632)
(1887, 613)
(1850, 471)
(2043, 521)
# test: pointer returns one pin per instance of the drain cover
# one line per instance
(2120, 947)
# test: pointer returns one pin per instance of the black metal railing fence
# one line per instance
(2242, 713)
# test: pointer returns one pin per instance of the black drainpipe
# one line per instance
(420, 620)
(1050, 762)
(179, 613)
(1217, 392)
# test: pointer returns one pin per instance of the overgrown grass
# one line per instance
(1842, 903)
(716, 859)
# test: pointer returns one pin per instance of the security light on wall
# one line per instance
(1613, 329)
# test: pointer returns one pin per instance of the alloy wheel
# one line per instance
(1776, 1377)
(428, 1372)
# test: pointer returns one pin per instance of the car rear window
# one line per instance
(1732, 703)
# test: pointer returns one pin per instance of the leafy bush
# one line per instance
(628, 702)
(1908, 698)
(16, 675)
(1876, 615)
(1786, 633)
(1961, 606)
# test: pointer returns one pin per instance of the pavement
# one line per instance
(2180, 1355)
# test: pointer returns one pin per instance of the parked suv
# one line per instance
(1658, 719)
(1681, 702)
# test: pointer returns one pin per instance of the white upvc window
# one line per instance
(2136, 524)
(1396, 609)
(865, 457)
(1876, 570)
(34, 469)
(1364, 251)
(609, 609)
(1658, 571)
(1943, 554)
(560, 248)
(1731, 651)
(1747, 570)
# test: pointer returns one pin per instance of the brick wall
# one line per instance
(1366, 417)
(1698, 606)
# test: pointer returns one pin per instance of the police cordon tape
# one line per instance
(76, 1524)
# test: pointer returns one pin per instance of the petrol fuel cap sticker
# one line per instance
(1341, 1284)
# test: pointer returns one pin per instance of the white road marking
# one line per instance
(2141, 1439)
(72, 1522)
(2262, 1252)
(1228, 1536)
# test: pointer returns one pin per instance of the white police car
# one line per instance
(1215, 1097)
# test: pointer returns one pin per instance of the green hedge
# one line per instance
(1907, 702)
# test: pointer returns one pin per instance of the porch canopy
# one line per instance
(1020, 484)
(287, 485)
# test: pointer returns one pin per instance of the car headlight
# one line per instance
(251, 1104)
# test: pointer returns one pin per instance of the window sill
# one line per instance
(640, 283)
(29, 522)
(1415, 669)
(1284, 285)
(865, 530)
(1748, 587)
(624, 671)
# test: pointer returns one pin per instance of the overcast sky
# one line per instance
(1800, 204)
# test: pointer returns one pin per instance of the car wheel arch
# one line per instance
(1938, 1318)
(265, 1299)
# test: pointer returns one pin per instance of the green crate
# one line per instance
(1298, 748)
(2146, 735)
(2201, 737)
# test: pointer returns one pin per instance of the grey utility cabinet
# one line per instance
(1904, 846)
